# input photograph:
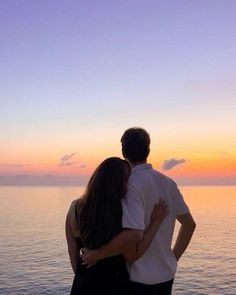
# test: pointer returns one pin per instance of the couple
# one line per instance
(119, 233)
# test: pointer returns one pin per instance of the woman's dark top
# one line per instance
(107, 277)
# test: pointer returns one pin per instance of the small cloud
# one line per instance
(169, 164)
(68, 160)
(82, 166)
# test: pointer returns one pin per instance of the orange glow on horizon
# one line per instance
(87, 158)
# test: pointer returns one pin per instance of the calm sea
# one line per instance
(33, 252)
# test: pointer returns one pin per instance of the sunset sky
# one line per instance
(75, 74)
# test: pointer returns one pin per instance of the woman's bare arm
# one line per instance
(73, 245)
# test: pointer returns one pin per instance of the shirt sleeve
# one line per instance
(133, 209)
(180, 205)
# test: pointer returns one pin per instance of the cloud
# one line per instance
(68, 160)
(171, 163)
(82, 166)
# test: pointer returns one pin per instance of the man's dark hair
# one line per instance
(135, 144)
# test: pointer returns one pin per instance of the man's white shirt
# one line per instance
(145, 188)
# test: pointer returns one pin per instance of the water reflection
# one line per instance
(33, 252)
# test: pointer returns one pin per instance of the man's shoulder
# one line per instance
(139, 176)
(163, 178)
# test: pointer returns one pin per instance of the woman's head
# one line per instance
(109, 180)
(101, 210)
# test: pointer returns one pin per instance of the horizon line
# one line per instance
(84, 185)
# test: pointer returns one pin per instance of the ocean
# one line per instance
(33, 250)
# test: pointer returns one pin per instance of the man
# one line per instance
(154, 272)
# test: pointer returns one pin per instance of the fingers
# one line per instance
(161, 208)
(81, 252)
(88, 265)
(165, 210)
(85, 262)
(160, 205)
(86, 256)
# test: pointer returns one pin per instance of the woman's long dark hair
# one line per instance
(99, 212)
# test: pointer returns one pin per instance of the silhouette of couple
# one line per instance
(119, 233)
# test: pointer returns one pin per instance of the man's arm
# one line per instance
(131, 243)
(114, 247)
(133, 227)
(187, 228)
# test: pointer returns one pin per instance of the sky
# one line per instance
(74, 75)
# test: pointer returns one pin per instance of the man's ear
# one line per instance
(123, 153)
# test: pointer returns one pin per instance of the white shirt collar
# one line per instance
(142, 166)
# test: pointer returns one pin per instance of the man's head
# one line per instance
(135, 145)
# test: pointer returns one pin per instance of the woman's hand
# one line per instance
(159, 212)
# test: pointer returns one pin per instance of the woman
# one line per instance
(96, 218)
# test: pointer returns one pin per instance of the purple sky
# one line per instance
(70, 69)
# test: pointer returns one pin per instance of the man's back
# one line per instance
(145, 188)
(152, 273)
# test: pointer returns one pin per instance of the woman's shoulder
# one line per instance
(72, 216)
(75, 205)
